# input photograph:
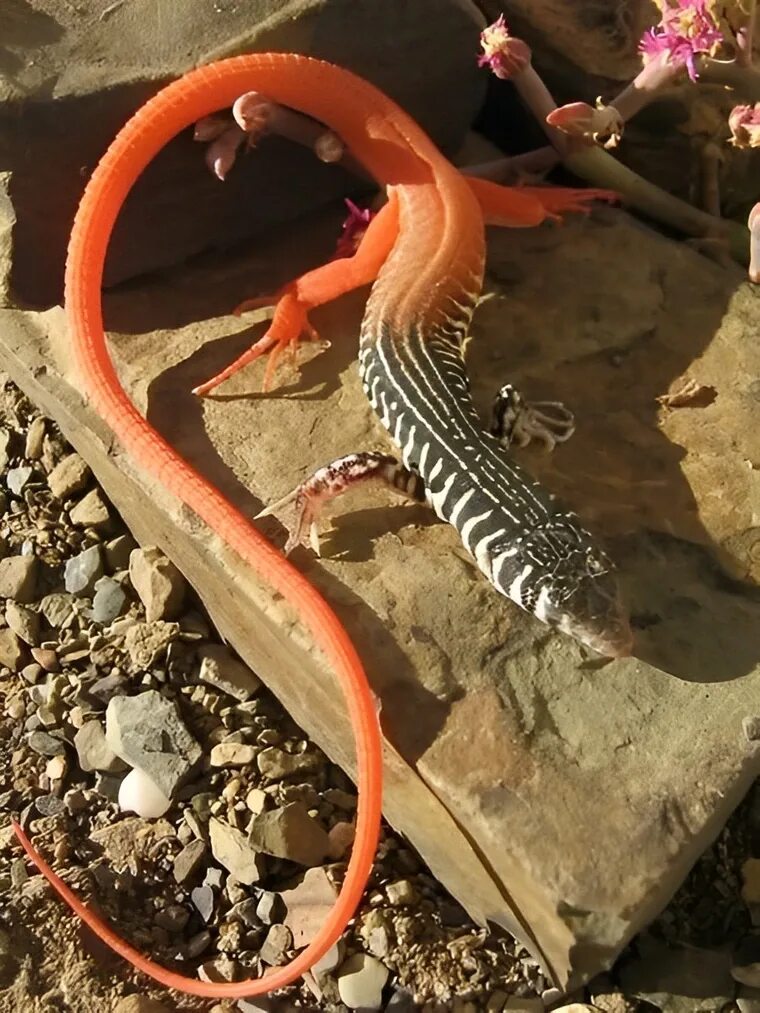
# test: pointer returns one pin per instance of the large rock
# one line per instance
(562, 798)
(70, 79)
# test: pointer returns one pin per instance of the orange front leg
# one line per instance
(315, 288)
(525, 206)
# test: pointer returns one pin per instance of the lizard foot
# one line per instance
(517, 421)
(289, 323)
(330, 481)
(557, 200)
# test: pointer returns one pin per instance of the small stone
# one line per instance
(18, 578)
(139, 794)
(361, 980)
(32, 672)
(68, 477)
(197, 944)
(93, 751)
(289, 833)
(256, 800)
(83, 571)
(59, 609)
(751, 881)
(269, 908)
(275, 763)
(203, 899)
(231, 849)
(46, 658)
(751, 728)
(158, 583)
(17, 478)
(245, 911)
(11, 650)
(24, 623)
(173, 918)
(401, 893)
(276, 945)
(189, 860)
(147, 732)
(56, 768)
(91, 511)
(110, 600)
(139, 1004)
(223, 671)
(15, 708)
(308, 904)
(49, 805)
(232, 754)
(748, 1000)
(46, 745)
(118, 551)
(75, 800)
(218, 970)
(34, 437)
(146, 643)
(340, 838)
(401, 1002)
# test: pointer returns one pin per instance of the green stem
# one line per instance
(600, 169)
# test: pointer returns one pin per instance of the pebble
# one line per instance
(83, 571)
(189, 860)
(91, 511)
(256, 800)
(18, 578)
(16, 478)
(231, 849)
(58, 609)
(34, 437)
(246, 912)
(159, 584)
(197, 944)
(49, 805)
(56, 768)
(15, 708)
(269, 908)
(289, 832)
(308, 904)
(147, 732)
(219, 969)
(110, 600)
(46, 745)
(275, 763)
(46, 658)
(75, 800)
(69, 476)
(93, 751)
(276, 945)
(401, 893)
(361, 980)
(11, 650)
(340, 838)
(24, 623)
(232, 754)
(146, 643)
(219, 668)
(203, 899)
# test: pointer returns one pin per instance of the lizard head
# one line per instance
(559, 573)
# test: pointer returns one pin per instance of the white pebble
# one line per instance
(138, 794)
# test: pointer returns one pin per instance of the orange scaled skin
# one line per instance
(433, 222)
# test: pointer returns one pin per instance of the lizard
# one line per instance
(425, 253)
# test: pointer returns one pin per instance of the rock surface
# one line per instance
(107, 62)
(517, 731)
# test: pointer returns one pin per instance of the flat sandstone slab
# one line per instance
(558, 796)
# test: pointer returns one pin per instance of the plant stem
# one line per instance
(599, 168)
(512, 169)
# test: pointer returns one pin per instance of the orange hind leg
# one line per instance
(322, 285)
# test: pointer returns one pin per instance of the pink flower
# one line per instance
(502, 52)
(684, 32)
(354, 228)
(578, 119)
(744, 124)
